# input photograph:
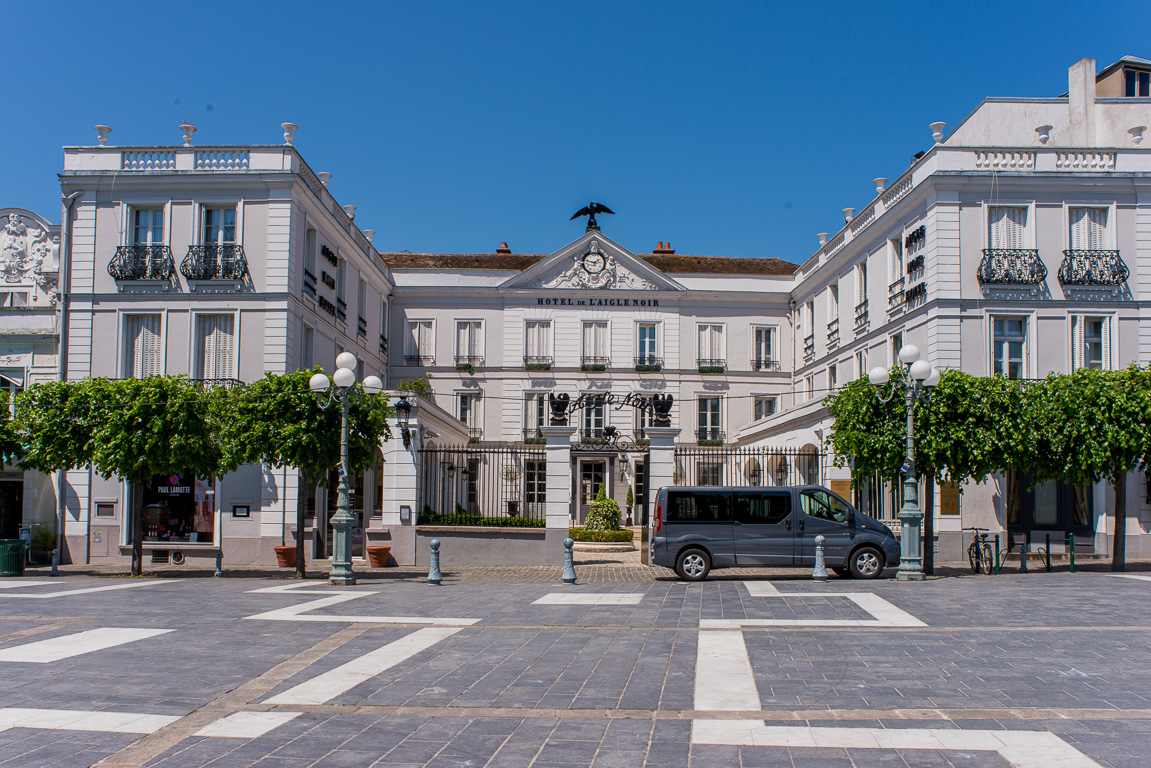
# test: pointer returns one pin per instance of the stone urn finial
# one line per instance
(325, 177)
(848, 215)
(102, 132)
(880, 184)
(1137, 134)
(188, 129)
(822, 237)
(369, 233)
(350, 210)
(1044, 132)
(937, 131)
(289, 132)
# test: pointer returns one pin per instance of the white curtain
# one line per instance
(1008, 225)
(711, 342)
(595, 339)
(1088, 225)
(214, 346)
(144, 354)
(538, 339)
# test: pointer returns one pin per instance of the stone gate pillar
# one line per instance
(558, 492)
(661, 458)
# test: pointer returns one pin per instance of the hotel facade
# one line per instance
(1017, 243)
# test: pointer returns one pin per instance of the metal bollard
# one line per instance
(569, 576)
(995, 565)
(1023, 548)
(1047, 553)
(820, 572)
(219, 564)
(434, 575)
(1071, 549)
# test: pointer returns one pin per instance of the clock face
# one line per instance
(594, 263)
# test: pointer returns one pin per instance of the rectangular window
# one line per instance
(1007, 227)
(1009, 347)
(763, 351)
(895, 250)
(362, 300)
(809, 387)
(469, 342)
(832, 302)
(593, 419)
(1136, 84)
(696, 507)
(214, 347)
(105, 509)
(860, 363)
(420, 345)
(709, 424)
(468, 405)
(711, 344)
(595, 341)
(341, 279)
(307, 348)
(310, 250)
(861, 282)
(538, 340)
(534, 405)
(647, 352)
(1091, 343)
(709, 473)
(535, 484)
(896, 345)
(643, 418)
(832, 378)
(147, 226)
(143, 346)
(219, 226)
(1088, 229)
(764, 407)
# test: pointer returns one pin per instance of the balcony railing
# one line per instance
(214, 262)
(592, 436)
(538, 362)
(214, 383)
(475, 434)
(710, 436)
(833, 333)
(648, 364)
(895, 294)
(861, 315)
(1002, 266)
(533, 436)
(341, 309)
(1093, 268)
(707, 365)
(808, 347)
(309, 283)
(383, 345)
(142, 262)
(468, 362)
(594, 363)
(361, 326)
(764, 364)
(419, 360)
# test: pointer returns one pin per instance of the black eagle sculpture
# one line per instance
(590, 210)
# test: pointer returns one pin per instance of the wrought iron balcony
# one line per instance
(309, 283)
(416, 361)
(142, 262)
(214, 383)
(592, 436)
(383, 345)
(362, 326)
(468, 362)
(475, 434)
(710, 436)
(214, 262)
(707, 365)
(537, 362)
(764, 364)
(341, 309)
(1002, 266)
(895, 294)
(648, 364)
(533, 435)
(808, 347)
(1093, 268)
(861, 315)
(594, 363)
(833, 333)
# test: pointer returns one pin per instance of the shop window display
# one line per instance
(178, 508)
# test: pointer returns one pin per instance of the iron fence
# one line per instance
(483, 485)
(696, 465)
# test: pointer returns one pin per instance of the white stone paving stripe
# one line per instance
(88, 590)
(1131, 576)
(761, 588)
(67, 646)
(723, 677)
(247, 725)
(588, 598)
(295, 613)
(884, 614)
(83, 720)
(329, 685)
(1023, 749)
(19, 583)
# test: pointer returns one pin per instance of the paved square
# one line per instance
(1028, 671)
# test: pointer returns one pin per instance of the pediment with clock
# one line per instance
(593, 262)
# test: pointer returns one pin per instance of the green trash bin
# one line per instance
(12, 557)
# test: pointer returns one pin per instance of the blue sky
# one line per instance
(726, 129)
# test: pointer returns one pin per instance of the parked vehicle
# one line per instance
(696, 529)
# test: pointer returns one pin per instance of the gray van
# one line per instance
(695, 529)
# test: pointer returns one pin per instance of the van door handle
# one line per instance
(801, 525)
(788, 525)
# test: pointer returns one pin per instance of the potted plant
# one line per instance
(43, 542)
(630, 501)
(511, 475)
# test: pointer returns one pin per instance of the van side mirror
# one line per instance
(850, 515)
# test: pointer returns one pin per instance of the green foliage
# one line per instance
(583, 534)
(428, 517)
(604, 513)
(630, 497)
(54, 424)
(43, 539)
(871, 432)
(420, 385)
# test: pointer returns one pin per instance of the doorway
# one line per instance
(11, 508)
(592, 474)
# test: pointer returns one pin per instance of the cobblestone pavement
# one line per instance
(630, 667)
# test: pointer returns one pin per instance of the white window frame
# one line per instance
(311, 247)
(1028, 341)
(198, 225)
(644, 417)
(719, 414)
(122, 342)
(833, 301)
(759, 400)
(1028, 243)
(605, 353)
(896, 258)
(475, 398)
(196, 363)
(478, 338)
(860, 282)
(539, 409)
(127, 231)
(409, 350)
(658, 351)
(722, 341)
(773, 343)
(307, 347)
(1109, 238)
(832, 377)
(588, 419)
(1078, 340)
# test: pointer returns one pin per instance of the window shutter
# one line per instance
(151, 352)
(1077, 324)
(1078, 229)
(1107, 343)
(224, 347)
(1016, 224)
(1097, 226)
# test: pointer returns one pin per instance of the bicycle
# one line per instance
(979, 553)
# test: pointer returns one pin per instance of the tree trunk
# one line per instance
(301, 517)
(138, 529)
(1119, 549)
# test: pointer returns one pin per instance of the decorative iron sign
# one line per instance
(659, 406)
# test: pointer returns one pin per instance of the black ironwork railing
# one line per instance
(419, 360)
(533, 435)
(1093, 268)
(1002, 266)
(594, 363)
(341, 309)
(593, 436)
(362, 326)
(764, 364)
(213, 383)
(895, 294)
(142, 262)
(809, 346)
(483, 485)
(214, 262)
(464, 362)
(833, 333)
(710, 436)
(762, 465)
(709, 365)
(383, 345)
(309, 283)
(475, 434)
(537, 362)
(861, 314)
(648, 363)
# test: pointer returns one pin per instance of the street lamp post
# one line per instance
(918, 380)
(344, 378)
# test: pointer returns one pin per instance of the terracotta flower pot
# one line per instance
(285, 555)
(378, 556)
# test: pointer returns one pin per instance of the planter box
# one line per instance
(712, 368)
(648, 368)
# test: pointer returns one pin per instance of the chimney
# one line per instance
(663, 249)
(503, 248)
(1081, 102)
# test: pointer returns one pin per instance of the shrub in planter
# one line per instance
(604, 513)
(583, 534)
(44, 539)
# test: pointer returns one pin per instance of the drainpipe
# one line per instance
(61, 367)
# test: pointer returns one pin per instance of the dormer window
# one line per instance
(1136, 83)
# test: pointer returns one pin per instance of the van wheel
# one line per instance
(866, 563)
(693, 565)
(843, 573)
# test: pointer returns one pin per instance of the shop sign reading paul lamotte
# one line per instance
(178, 508)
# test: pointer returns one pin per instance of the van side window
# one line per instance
(688, 507)
(824, 505)
(762, 508)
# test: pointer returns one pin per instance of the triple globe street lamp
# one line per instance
(918, 381)
(344, 378)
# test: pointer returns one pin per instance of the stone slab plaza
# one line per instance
(629, 667)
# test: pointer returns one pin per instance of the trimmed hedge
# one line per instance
(457, 518)
(582, 534)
